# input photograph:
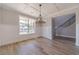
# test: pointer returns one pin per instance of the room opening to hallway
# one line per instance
(64, 28)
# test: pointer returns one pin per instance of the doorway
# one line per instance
(64, 27)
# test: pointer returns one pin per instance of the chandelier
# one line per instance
(40, 17)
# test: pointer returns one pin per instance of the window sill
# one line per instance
(26, 33)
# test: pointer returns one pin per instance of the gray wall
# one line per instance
(69, 31)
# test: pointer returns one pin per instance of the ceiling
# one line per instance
(33, 8)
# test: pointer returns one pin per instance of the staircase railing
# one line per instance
(67, 23)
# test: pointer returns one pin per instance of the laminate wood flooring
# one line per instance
(41, 46)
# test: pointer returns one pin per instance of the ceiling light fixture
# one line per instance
(40, 17)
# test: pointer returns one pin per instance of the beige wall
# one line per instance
(9, 28)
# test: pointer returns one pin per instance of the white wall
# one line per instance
(77, 27)
(47, 28)
(69, 31)
(9, 28)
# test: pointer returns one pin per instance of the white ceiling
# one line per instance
(33, 8)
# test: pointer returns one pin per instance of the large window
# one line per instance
(27, 25)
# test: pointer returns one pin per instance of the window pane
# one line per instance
(23, 25)
(31, 25)
(27, 25)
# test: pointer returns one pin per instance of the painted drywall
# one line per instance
(69, 31)
(74, 10)
(46, 32)
(77, 27)
(47, 28)
(9, 28)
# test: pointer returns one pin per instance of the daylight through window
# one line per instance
(27, 25)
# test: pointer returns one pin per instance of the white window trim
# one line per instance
(26, 33)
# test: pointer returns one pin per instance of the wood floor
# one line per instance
(41, 46)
